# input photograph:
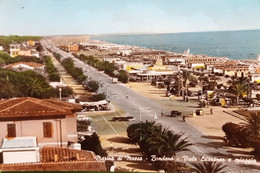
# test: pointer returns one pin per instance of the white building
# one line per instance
(15, 49)
(19, 150)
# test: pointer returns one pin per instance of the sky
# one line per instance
(68, 17)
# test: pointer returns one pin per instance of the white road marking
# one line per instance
(109, 124)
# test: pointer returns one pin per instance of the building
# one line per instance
(22, 66)
(30, 43)
(203, 59)
(28, 51)
(15, 49)
(255, 76)
(70, 48)
(51, 121)
(19, 150)
(235, 70)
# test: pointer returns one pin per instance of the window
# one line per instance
(47, 129)
(11, 130)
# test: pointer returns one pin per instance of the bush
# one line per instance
(236, 135)
(98, 97)
(92, 86)
(65, 91)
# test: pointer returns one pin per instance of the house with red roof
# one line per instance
(22, 66)
(51, 121)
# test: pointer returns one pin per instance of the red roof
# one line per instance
(32, 107)
(31, 64)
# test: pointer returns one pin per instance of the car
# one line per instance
(127, 118)
(199, 112)
(175, 113)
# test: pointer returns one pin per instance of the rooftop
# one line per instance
(31, 64)
(28, 107)
(19, 142)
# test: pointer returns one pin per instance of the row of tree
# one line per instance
(75, 72)
(109, 68)
(53, 73)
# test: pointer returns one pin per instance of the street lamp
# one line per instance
(60, 92)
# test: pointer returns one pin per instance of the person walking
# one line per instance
(183, 118)
(211, 111)
(162, 113)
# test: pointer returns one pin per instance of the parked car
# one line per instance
(127, 118)
(199, 112)
(175, 113)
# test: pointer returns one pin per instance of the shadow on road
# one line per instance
(119, 139)
(140, 165)
(128, 150)
(212, 137)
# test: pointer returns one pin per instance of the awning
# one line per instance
(102, 102)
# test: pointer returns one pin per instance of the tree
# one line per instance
(208, 167)
(185, 76)
(92, 86)
(238, 86)
(153, 139)
(123, 76)
(36, 87)
(193, 81)
(253, 123)
(168, 144)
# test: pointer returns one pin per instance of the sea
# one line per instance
(237, 45)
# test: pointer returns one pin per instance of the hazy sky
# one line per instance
(61, 17)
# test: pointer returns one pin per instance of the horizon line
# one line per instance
(131, 33)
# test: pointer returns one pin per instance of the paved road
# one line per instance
(143, 109)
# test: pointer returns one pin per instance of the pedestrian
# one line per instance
(126, 96)
(183, 118)
(211, 110)
(111, 146)
(162, 113)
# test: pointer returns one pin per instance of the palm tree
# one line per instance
(208, 167)
(37, 87)
(145, 130)
(253, 123)
(168, 144)
(238, 86)
(185, 76)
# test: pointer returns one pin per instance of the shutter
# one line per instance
(11, 130)
(47, 129)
